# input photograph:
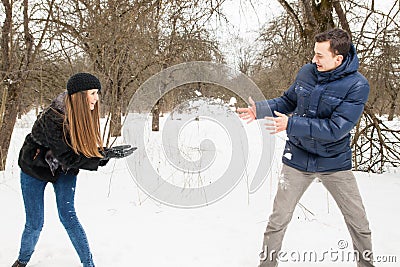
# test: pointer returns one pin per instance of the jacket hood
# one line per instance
(348, 66)
(58, 103)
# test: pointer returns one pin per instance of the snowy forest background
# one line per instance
(124, 43)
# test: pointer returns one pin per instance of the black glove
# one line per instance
(116, 152)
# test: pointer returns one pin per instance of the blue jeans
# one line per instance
(33, 195)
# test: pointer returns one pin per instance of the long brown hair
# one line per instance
(83, 125)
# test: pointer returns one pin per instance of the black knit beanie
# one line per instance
(82, 82)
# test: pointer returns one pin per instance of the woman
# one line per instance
(65, 138)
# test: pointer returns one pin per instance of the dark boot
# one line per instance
(18, 264)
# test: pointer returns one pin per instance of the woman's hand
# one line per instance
(119, 151)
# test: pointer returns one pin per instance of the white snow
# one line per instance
(232, 101)
(125, 227)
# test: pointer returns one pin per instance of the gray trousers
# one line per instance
(342, 186)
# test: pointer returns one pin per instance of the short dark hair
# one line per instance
(339, 40)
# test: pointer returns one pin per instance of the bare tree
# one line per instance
(123, 42)
(19, 52)
(376, 146)
(126, 42)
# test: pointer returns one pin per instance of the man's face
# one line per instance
(324, 58)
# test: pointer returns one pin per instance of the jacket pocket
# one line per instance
(328, 105)
(34, 155)
(303, 98)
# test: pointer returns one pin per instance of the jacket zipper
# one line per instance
(37, 153)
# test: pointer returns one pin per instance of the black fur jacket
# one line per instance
(45, 154)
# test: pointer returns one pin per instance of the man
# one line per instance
(325, 102)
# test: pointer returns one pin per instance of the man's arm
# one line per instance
(284, 104)
(267, 108)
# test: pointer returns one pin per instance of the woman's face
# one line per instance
(93, 97)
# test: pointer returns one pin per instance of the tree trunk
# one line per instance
(7, 114)
(115, 123)
(392, 109)
(155, 123)
(9, 119)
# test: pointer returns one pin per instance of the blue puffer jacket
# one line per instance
(325, 106)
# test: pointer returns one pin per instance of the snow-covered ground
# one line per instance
(125, 227)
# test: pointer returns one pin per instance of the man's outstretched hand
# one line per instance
(249, 113)
(277, 124)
